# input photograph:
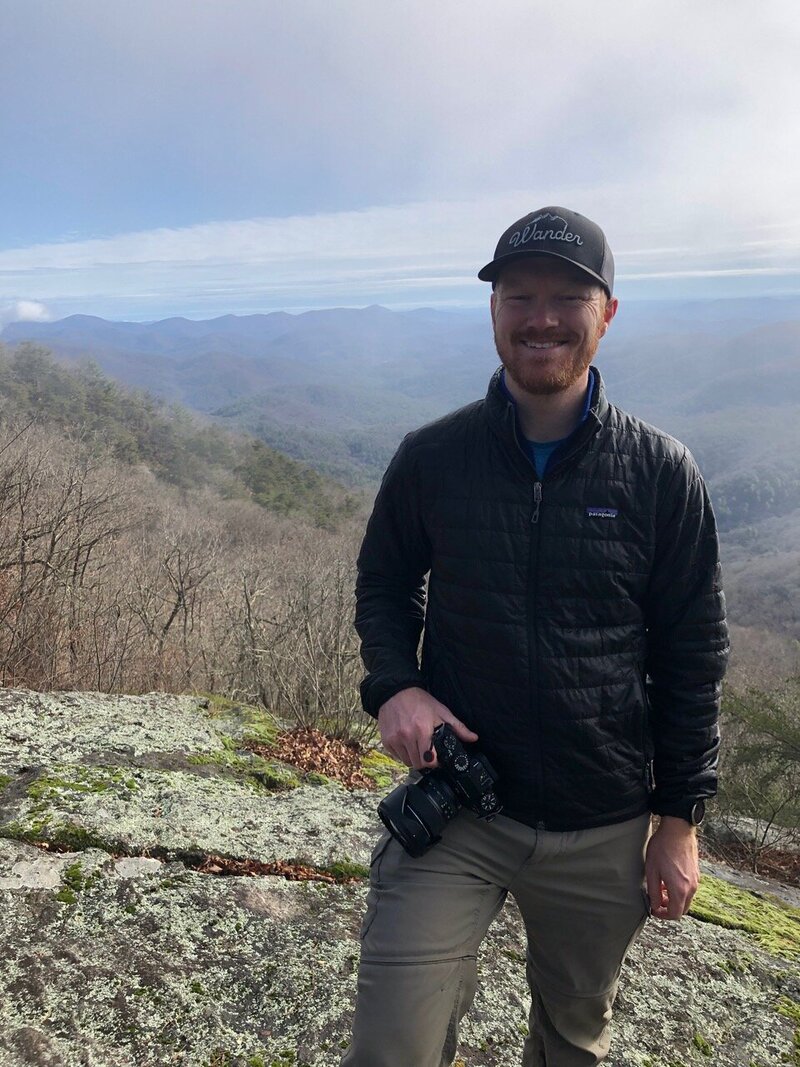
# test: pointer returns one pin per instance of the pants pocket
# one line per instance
(374, 880)
(378, 851)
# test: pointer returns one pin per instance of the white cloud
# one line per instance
(390, 254)
(24, 311)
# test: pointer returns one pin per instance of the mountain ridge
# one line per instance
(338, 388)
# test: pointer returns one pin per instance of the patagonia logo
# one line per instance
(602, 513)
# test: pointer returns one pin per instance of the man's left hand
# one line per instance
(672, 868)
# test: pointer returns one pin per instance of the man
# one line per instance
(575, 632)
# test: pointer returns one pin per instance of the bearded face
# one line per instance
(548, 318)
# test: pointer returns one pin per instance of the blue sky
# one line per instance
(197, 157)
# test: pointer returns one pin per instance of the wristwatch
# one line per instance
(693, 811)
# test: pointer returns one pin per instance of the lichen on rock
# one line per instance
(121, 953)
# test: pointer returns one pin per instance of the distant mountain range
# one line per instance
(337, 389)
(334, 388)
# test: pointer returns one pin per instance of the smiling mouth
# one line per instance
(543, 345)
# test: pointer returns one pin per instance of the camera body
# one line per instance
(416, 813)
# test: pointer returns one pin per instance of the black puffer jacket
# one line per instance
(576, 623)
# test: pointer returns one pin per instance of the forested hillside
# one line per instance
(338, 389)
(335, 388)
(141, 550)
(178, 448)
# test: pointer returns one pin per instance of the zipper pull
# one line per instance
(537, 501)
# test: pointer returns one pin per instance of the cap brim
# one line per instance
(490, 272)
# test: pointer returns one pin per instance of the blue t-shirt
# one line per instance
(541, 452)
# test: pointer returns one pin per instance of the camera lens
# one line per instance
(415, 814)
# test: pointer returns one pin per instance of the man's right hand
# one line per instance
(406, 723)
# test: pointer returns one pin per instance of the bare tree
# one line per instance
(110, 581)
(759, 801)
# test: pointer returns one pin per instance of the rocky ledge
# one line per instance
(171, 897)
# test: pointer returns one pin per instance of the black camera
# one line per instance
(416, 813)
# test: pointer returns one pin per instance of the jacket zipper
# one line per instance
(533, 636)
(533, 653)
(533, 574)
(537, 501)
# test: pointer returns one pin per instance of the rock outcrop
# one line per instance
(168, 897)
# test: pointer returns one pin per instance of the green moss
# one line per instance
(382, 769)
(219, 705)
(197, 988)
(256, 723)
(774, 924)
(226, 759)
(285, 1058)
(702, 1044)
(50, 786)
(66, 896)
(73, 876)
(739, 963)
(17, 831)
(71, 837)
(346, 870)
(274, 778)
(315, 778)
(174, 881)
(257, 772)
(65, 836)
(790, 1009)
(5, 779)
(262, 733)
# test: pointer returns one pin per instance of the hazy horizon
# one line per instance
(476, 310)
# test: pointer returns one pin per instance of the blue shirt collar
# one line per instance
(587, 402)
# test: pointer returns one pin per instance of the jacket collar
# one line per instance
(500, 413)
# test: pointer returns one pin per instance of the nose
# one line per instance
(541, 314)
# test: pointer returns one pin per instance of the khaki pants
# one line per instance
(581, 895)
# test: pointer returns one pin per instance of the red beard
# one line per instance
(546, 371)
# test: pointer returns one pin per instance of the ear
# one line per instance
(493, 305)
(608, 314)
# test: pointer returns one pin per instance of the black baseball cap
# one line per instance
(557, 232)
